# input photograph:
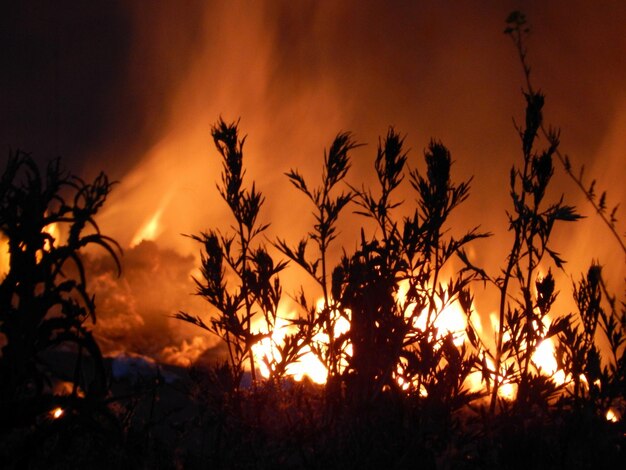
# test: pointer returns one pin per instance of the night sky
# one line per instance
(132, 88)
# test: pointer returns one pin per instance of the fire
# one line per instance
(450, 319)
(5, 257)
(544, 358)
(150, 230)
(309, 365)
(54, 231)
(612, 415)
(153, 227)
(508, 391)
(57, 412)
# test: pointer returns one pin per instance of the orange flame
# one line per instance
(451, 319)
(54, 231)
(150, 230)
(57, 413)
(612, 415)
(308, 364)
(5, 257)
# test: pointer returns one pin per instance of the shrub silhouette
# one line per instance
(395, 374)
(328, 206)
(404, 377)
(44, 299)
(258, 290)
(531, 223)
(397, 393)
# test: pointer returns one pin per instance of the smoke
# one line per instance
(138, 100)
(134, 310)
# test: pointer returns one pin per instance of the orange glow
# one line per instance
(266, 351)
(57, 413)
(150, 230)
(507, 389)
(54, 231)
(612, 415)
(187, 353)
(304, 113)
(5, 257)
(452, 319)
(544, 358)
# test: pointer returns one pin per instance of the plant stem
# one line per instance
(519, 45)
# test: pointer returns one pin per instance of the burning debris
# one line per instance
(136, 307)
(57, 413)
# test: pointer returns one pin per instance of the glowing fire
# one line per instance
(309, 365)
(54, 231)
(612, 415)
(150, 230)
(451, 319)
(5, 258)
(153, 227)
(57, 413)
(543, 358)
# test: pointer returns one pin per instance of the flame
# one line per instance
(54, 231)
(267, 350)
(450, 319)
(612, 415)
(310, 366)
(5, 257)
(57, 412)
(150, 230)
(153, 227)
(508, 391)
(544, 357)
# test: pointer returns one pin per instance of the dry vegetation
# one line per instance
(401, 391)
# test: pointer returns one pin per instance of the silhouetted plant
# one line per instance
(388, 345)
(257, 289)
(518, 29)
(522, 318)
(48, 219)
(594, 383)
(328, 208)
(44, 305)
(400, 383)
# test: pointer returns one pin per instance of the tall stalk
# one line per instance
(532, 226)
(517, 29)
(327, 208)
(258, 291)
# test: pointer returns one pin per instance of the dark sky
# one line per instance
(132, 87)
(88, 80)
